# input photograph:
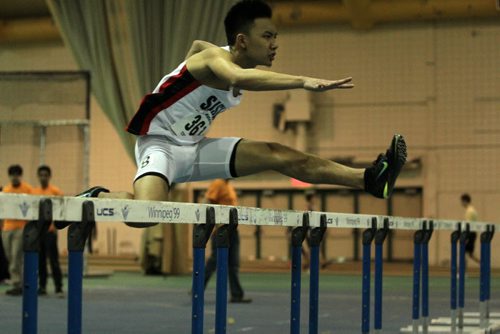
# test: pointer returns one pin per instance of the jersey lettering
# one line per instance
(213, 105)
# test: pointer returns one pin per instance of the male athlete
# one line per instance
(171, 122)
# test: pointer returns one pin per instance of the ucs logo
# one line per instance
(106, 212)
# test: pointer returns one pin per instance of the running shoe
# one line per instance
(381, 177)
(92, 192)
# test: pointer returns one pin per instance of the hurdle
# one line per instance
(83, 212)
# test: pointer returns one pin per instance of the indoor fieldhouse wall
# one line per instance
(109, 164)
(436, 83)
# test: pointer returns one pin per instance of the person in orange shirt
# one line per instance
(222, 192)
(12, 232)
(48, 243)
(4, 266)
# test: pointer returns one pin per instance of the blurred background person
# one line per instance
(12, 232)
(48, 243)
(4, 265)
(222, 192)
(470, 216)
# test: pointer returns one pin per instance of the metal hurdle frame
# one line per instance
(84, 211)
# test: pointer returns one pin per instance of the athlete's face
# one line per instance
(260, 43)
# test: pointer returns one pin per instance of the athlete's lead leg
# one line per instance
(254, 157)
(379, 179)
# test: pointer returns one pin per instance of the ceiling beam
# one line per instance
(28, 31)
(361, 14)
(365, 13)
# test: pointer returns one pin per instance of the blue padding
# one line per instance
(221, 292)
(295, 302)
(416, 280)
(198, 290)
(314, 290)
(378, 285)
(365, 312)
(30, 284)
(75, 278)
(461, 277)
(425, 280)
(453, 277)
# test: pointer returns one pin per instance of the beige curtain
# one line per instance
(128, 45)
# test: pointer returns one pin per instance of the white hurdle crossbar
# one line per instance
(25, 207)
(86, 211)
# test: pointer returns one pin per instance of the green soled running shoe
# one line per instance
(381, 177)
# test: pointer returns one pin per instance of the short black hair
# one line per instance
(44, 168)
(241, 16)
(465, 198)
(15, 170)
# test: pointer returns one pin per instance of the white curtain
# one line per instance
(128, 45)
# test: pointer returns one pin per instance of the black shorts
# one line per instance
(469, 245)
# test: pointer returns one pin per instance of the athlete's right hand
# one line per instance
(320, 85)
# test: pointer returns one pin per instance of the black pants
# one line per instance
(233, 265)
(4, 265)
(48, 248)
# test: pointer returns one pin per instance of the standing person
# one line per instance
(222, 192)
(48, 243)
(4, 265)
(12, 232)
(172, 121)
(470, 216)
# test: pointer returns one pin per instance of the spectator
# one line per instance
(4, 265)
(222, 192)
(12, 232)
(48, 243)
(470, 216)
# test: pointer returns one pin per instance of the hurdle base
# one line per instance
(483, 319)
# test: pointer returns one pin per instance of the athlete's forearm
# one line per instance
(258, 80)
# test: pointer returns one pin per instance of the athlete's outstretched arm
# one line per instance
(257, 80)
(198, 46)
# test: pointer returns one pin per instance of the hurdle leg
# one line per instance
(380, 236)
(222, 242)
(32, 233)
(298, 236)
(78, 234)
(455, 236)
(417, 253)
(425, 276)
(201, 235)
(461, 278)
(368, 236)
(488, 269)
(483, 322)
(317, 234)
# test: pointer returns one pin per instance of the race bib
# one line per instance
(192, 125)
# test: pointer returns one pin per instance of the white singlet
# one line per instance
(171, 124)
(181, 108)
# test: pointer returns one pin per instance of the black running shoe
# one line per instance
(381, 177)
(92, 192)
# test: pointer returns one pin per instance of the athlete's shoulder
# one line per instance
(209, 55)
